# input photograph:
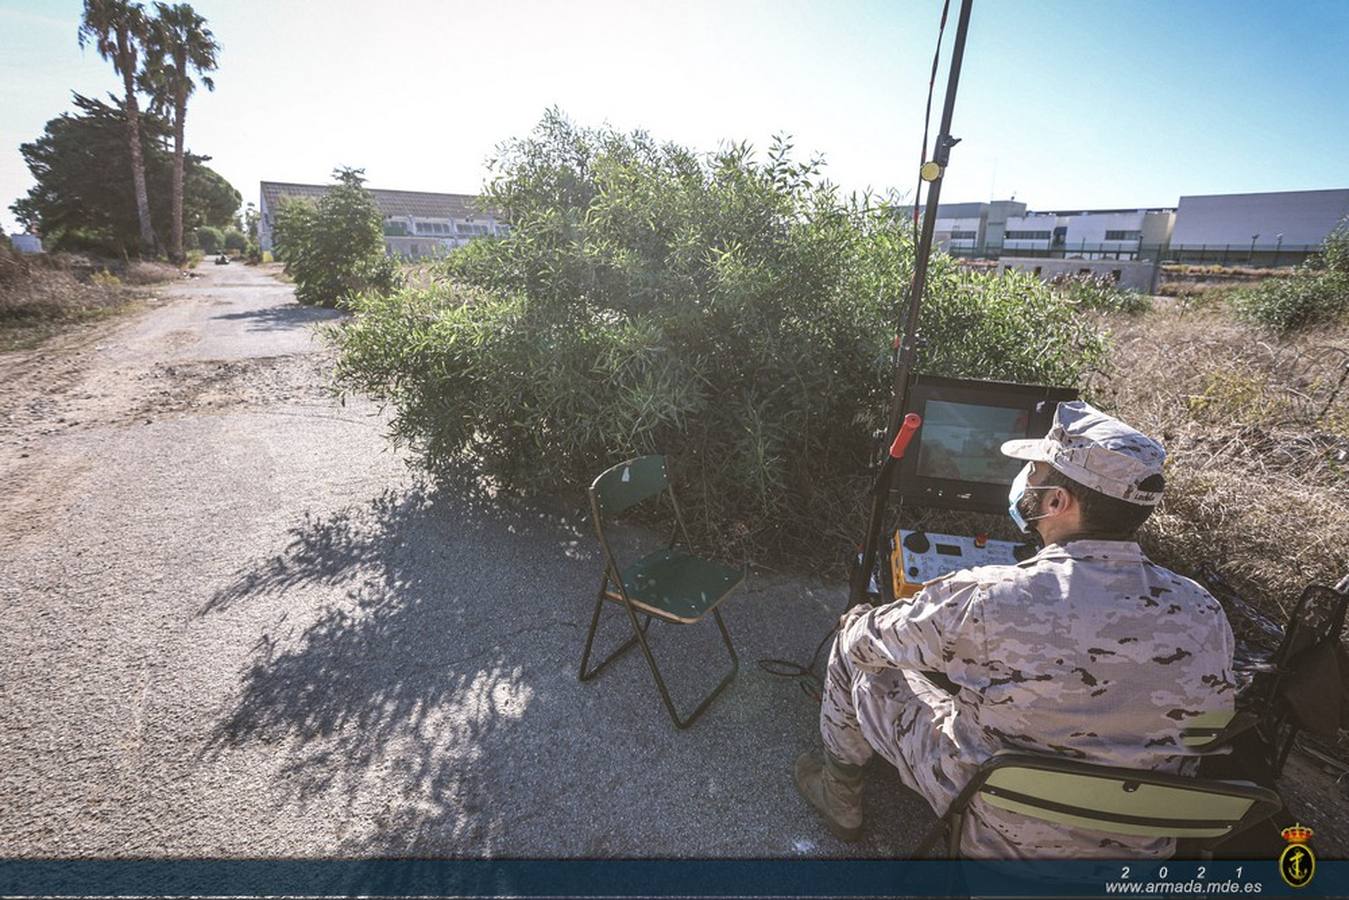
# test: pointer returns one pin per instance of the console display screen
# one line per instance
(961, 441)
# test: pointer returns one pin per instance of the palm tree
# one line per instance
(117, 28)
(178, 39)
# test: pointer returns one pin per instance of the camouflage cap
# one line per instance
(1097, 451)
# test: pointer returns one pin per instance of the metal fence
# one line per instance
(1252, 254)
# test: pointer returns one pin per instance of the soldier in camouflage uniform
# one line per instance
(1087, 650)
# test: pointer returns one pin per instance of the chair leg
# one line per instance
(953, 842)
(660, 682)
(590, 637)
(955, 819)
(1285, 749)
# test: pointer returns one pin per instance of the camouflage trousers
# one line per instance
(894, 713)
(908, 720)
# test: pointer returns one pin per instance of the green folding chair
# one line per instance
(671, 584)
(1202, 812)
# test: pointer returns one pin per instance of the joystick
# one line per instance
(916, 542)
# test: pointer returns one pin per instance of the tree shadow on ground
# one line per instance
(402, 684)
(428, 696)
(282, 318)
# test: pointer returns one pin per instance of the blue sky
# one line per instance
(1092, 103)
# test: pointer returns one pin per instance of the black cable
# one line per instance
(927, 116)
(811, 682)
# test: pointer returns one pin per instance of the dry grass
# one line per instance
(277, 270)
(1257, 435)
(1198, 294)
(1208, 287)
(142, 273)
(1172, 270)
(41, 295)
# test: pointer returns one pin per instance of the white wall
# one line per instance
(1302, 217)
(26, 243)
(264, 224)
(945, 226)
(456, 233)
(1134, 275)
(1090, 229)
(1040, 222)
(1157, 228)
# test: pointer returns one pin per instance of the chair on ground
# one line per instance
(1203, 812)
(671, 585)
(1303, 685)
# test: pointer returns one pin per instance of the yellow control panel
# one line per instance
(917, 557)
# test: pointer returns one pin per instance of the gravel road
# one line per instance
(233, 623)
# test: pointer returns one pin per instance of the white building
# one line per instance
(970, 227)
(1285, 219)
(1280, 228)
(416, 223)
(26, 243)
(1033, 231)
(1089, 233)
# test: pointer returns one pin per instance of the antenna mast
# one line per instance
(906, 353)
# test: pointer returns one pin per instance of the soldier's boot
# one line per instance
(834, 788)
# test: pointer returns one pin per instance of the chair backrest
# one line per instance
(1122, 801)
(623, 486)
(1206, 728)
(1318, 616)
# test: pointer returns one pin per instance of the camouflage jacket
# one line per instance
(1087, 649)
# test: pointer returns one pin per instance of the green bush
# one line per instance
(235, 241)
(1100, 293)
(1317, 292)
(734, 314)
(210, 239)
(252, 252)
(334, 249)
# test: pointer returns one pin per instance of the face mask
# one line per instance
(1019, 488)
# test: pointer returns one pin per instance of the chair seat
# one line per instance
(674, 585)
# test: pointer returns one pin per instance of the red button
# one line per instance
(980, 540)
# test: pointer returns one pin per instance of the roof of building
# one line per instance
(1321, 192)
(417, 204)
(960, 210)
(1104, 212)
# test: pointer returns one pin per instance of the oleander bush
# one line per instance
(1316, 293)
(334, 248)
(1101, 293)
(731, 311)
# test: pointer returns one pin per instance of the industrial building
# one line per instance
(416, 223)
(1008, 228)
(969, 228)
(1278, 228)
(1264, 222)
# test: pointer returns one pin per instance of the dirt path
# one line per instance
(233, 624)
(227, 338)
